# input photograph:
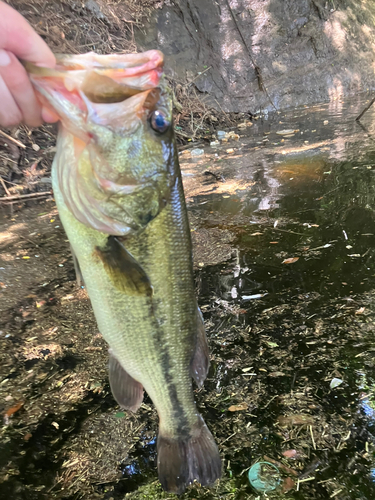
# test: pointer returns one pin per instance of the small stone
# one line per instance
(197, 152)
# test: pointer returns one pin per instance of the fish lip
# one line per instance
(133, 63)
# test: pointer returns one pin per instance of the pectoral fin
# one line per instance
(124, 271)
(200, 363)
(126, 391)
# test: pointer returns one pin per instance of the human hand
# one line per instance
(18, 102)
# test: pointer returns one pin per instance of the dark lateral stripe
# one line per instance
(183, 429)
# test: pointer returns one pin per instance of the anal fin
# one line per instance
(200, 363)
(126, 391)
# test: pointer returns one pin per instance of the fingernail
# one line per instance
(4, 58)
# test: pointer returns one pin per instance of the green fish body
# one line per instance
(118, 189)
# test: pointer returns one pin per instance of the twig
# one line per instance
(226, 114)
(200, 74)
(280, 465)
(228, 438)
(364, 111)
(273, 397)
(13, 140)
(4, 186)
(286, 231)
(7, 159)
(312, 437)
(190, 145)
(24, 196)
(182, 134)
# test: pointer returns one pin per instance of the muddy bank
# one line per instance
(247, 56)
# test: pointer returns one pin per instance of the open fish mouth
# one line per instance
(102, 78)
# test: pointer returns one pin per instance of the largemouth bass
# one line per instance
(118, 189)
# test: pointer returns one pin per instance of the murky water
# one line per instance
(289, 306)
(302, 278)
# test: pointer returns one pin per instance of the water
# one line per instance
(285, 242)
(302, 213)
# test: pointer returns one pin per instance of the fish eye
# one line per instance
(159, 121)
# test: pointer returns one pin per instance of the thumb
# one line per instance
(18, 37)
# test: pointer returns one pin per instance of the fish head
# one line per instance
(116, 152)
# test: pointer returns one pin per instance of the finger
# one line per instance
(49, 116)
(17, 36)
(10, 115)
(16, 79)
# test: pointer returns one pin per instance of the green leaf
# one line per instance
(272, 344)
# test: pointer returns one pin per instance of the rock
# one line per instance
(197, 152)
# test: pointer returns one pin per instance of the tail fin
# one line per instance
(183, 460)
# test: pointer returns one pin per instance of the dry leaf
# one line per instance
(240, 407)
(290, 453)
(291, 260)
(288, 484)
(296, 420)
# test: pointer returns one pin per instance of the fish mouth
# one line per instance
(98, 78)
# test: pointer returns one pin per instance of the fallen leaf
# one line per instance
(13, 409)
(335, 382)
(272, 344)
(290, 453)
(240, 407)
(291, 260)
(288, 484)
(295, 420)
(285, 132)
(361, 310)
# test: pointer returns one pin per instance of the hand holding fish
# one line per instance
(17, 97)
